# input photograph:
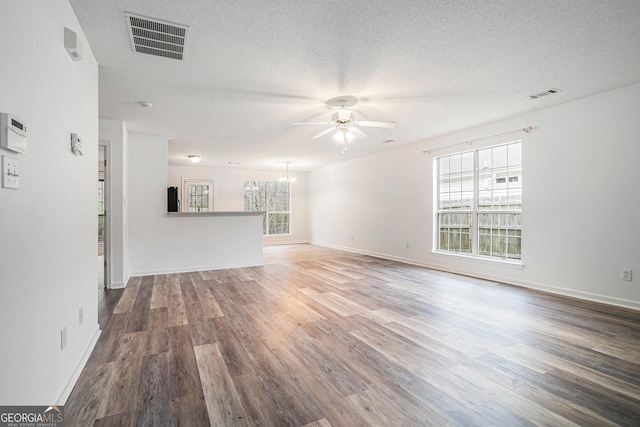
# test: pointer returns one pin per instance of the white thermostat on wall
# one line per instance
(13, 133)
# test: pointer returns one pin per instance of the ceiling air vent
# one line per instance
(545, 93)
(155, 37)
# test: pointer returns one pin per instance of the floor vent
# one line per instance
(545, 93)
(155, 37)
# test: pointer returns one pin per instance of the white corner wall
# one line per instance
(48, 228)
(114, 134)
(228, 188)
(580, 207)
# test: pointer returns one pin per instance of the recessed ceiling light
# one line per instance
(145, 104)
(233, 163)
(194, 158)
(388, 141)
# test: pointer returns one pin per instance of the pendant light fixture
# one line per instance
(286, 177)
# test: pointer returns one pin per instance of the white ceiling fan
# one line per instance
(345, 125)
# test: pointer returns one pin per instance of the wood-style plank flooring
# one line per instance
(319, 337)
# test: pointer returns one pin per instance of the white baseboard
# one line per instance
(588, 296)
(66, 391)
(192, 269)
(117, 285)
(285, 242)
(370, 253)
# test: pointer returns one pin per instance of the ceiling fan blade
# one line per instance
(389, 125)
(323, 133)
(357, 132)
(311, 123)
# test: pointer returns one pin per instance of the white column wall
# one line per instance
(114, 133)
(580, 207)
(48, 228)
(160, 243)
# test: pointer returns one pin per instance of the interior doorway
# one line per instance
(102, 216)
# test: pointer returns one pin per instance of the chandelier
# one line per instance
(286, 177)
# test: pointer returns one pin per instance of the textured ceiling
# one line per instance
(254, 67)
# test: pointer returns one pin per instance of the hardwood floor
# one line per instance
(323, 338)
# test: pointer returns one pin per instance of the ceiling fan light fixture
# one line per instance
(338, 137)
(343, 136)
(349, 135)
(344, 126)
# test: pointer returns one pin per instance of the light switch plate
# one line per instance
(10, 173)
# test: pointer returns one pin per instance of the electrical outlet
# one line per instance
(81, 316)
(626, 274)
(63, 338)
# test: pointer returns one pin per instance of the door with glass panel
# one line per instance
(197, 195)
(102, 217)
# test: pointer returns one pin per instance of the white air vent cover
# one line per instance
(155, 37)
(545, 93)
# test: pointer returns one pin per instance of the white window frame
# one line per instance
(268, 212)
(475, 211)
(186, 182)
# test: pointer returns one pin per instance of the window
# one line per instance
(197, 195)
(274, 198)
(480, 202)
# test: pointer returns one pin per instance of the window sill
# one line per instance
(518, 265)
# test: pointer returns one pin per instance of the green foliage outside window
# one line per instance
(275, 199)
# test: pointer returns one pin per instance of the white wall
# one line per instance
(161, 243)
(228, 188)
(114, 134)
(48, 228)
(580, 207)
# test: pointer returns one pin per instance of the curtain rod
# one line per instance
(525, 130)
